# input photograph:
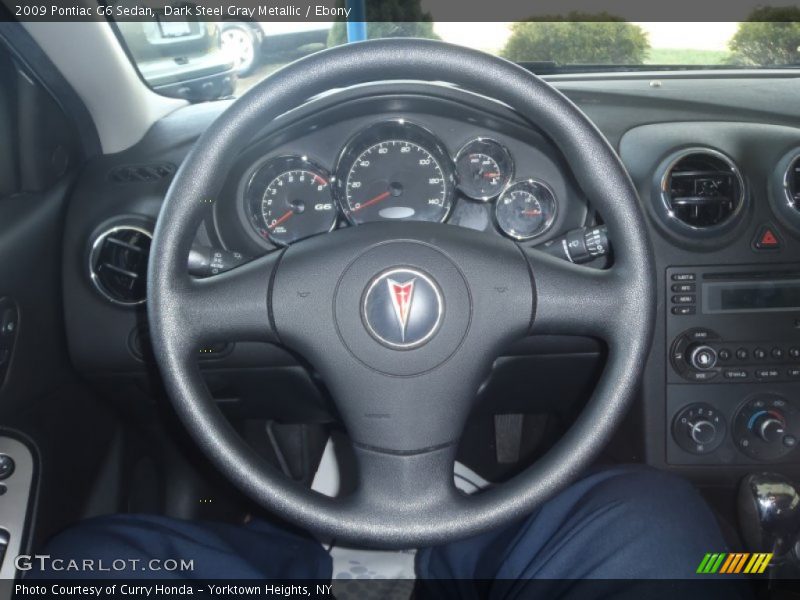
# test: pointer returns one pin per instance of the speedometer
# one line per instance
(395, 171)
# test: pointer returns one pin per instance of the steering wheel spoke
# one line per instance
(577, 300)
(229, 307)
(405, 483)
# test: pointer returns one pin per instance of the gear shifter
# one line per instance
(769, 513)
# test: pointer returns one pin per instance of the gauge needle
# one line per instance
(531, 213)
(490, 175)
(286, 215)
(375, 200)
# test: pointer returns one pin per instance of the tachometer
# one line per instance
(289, 199)
(395, 171)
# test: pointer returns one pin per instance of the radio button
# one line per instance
(684, 288)
(703, 358)
(768, 373)
(777, 353)
(701, 375)
(683, 310)
(725, 354)
(683, 277)
(794, 352)
(793, 373)
(742, 354)
(759, 353)
(687, 299)
(736, 374)
(699, 335)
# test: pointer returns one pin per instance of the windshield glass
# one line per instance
(203, 61)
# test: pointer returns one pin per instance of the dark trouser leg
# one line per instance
(217, 551)
(622, 523)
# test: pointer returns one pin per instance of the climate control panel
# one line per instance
(699, 428)
(767, 427)
(757, 427)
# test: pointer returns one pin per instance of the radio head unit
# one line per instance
(733, 364)
(710, 341)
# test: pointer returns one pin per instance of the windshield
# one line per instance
(172, 54)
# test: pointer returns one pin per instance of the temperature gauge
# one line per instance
(526, 209)
(484, 168)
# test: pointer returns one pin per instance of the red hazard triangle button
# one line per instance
(767, 239)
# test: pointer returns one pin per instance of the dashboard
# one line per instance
(716, 163)
(394, 170)
(452, 158)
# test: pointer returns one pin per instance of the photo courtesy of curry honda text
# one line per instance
(399, 300)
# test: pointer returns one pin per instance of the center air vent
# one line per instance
(792, 184)
(118, 264)
(702, 189)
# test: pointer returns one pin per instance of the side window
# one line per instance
(9, 182)
(37, 140)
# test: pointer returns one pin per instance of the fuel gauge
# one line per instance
(484, 167)
(526, 209)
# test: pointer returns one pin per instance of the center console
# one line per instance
(733, 372)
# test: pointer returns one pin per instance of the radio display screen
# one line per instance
(751, 296)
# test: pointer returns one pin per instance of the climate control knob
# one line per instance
(699, 428)
(767, 427)
(702, 432)
(770, 429)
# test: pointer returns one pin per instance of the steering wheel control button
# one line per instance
(6, 466)
(767, 427)
(403, 308)
(699, 428)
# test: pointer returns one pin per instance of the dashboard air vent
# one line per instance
(702, 188)
(140, 173)
(118, 264)
(792, 184)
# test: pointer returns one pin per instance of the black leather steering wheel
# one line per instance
(404, 408)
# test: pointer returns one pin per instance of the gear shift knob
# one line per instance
(769, 512)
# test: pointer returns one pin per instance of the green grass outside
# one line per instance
(681, 56)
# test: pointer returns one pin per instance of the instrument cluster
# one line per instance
(394, 170)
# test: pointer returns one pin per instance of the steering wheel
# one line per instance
(402, 320)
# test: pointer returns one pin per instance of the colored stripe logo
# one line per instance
(734, 563)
